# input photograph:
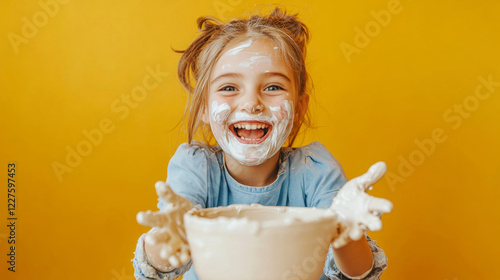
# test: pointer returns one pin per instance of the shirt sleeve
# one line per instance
(323, 178)
(187, 176)
(188, 173)
(144, 270)
(379, 263)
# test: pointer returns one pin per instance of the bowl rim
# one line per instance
(219, 224)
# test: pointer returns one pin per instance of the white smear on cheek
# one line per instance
(219, 113)
(278, 112)
(283, 117)
(281, 120)
(225, 66)
(237, 49)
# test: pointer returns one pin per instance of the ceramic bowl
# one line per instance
(259, 242)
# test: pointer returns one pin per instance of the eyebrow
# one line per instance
(237, 75)
(272, 74)
(227, 75)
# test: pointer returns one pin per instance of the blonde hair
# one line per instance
(197, 61)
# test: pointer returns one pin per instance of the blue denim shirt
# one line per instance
(308, 176)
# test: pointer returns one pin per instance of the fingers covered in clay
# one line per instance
(375, 172)
(158, 236)
(165, 192)
(358, 211)
(372, 223)
(356, 233)
(167, 244)
(379, 205)
(154, 219)
(172, 199)
(342, 239)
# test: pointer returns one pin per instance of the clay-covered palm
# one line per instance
(168, 231)
(356, 210)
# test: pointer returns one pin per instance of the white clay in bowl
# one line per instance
(259, 242)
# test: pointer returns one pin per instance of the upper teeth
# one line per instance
(250, 126)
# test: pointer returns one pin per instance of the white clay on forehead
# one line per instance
(240, 47)
(255, 59)
(275, 48)
(226, 66)
(281, 120)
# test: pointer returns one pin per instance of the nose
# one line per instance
(251, 101)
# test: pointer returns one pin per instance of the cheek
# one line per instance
(219, 115)
(283, 111)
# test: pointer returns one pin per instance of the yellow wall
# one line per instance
(394, 96)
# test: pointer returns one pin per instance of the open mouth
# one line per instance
(250, 132)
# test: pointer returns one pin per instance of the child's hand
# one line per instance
(168, 235)
(356, 210)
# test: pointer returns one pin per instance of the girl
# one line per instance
(248, 88)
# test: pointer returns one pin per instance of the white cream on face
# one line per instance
(226, 66)
(240, 47)
(280, 119)
(254, 60)
(250, 109)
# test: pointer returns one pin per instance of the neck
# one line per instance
(255, 176)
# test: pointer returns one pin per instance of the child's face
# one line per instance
(250, 104)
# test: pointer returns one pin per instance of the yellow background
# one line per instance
(393, 92)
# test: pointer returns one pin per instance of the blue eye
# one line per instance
(228, 88)
(274, 88)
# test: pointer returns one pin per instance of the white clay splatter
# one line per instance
(255, 59)
(280, 119)
(357, 211)
(168, 226)
(219, 113)
(226, 66)
(239, 48)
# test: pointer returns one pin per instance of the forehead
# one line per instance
(247, 53)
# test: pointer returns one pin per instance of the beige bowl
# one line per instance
(259, 242)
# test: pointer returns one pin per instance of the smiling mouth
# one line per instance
(250, 132)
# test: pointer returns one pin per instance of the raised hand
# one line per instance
(356, 210)
(168, 236)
